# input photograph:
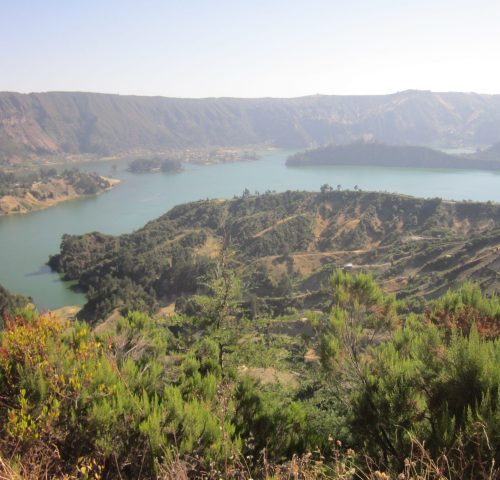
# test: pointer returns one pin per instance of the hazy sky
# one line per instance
(249, 48)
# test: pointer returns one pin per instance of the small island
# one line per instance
(379, 154)
(22, 192)
(155, 164)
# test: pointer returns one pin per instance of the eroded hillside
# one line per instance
(72, 123)
(286, 245)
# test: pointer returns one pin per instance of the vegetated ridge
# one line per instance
(32, 190)
(286, 245)
(371, 153)
(68, 124)
(489, 154)
(9, 302)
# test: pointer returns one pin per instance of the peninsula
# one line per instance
(379, 154)
(28, 191)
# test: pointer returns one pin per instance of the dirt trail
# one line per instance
(272, 227)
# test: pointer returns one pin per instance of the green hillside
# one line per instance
(32, 189)
(285, 246)
(9, 302)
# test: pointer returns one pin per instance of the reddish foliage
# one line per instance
(487, 326)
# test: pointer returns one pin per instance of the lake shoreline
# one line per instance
(29, 240)
(11, 205)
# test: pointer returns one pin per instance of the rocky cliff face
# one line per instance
(87, 123)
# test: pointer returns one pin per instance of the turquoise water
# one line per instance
(26, 241)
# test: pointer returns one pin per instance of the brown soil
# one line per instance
(270, 375)
(49, 193)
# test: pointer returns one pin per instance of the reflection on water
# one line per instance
(42, 270)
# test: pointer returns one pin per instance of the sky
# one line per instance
(249, 48)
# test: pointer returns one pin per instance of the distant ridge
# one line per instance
(370, 153)
(67, 123)
(490, 154)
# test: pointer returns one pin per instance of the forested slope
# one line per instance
(9, 302)
(285, 244)
(31, 190)
(378, 154)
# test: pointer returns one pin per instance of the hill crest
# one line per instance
(286, 244)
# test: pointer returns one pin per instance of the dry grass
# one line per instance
(342, 464)
(279, 222)
(67, 313)
(7, 472)
(267, 376)
(211, 248)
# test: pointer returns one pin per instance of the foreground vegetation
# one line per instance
(363, 389)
